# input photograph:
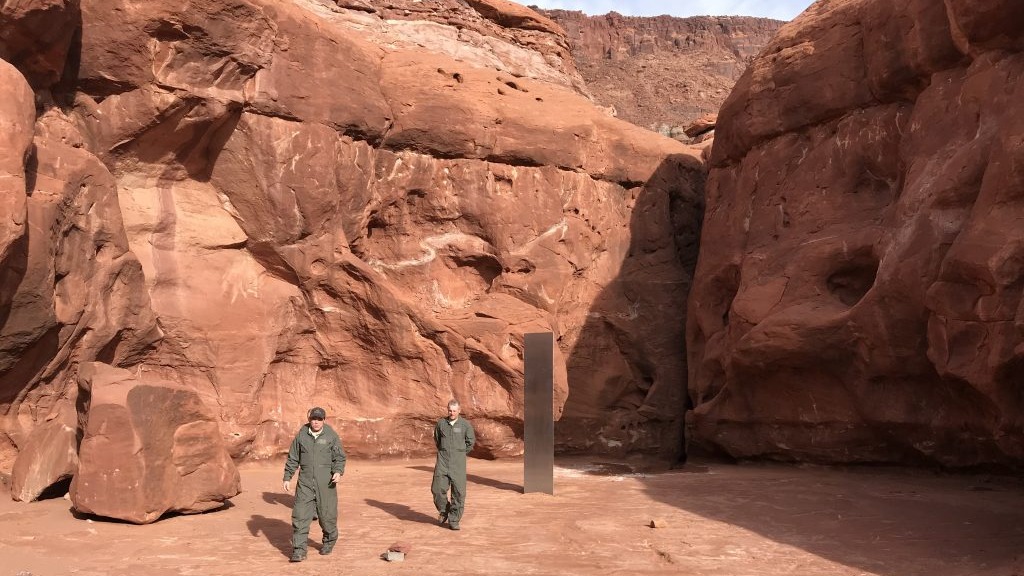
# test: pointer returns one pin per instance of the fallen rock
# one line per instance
(149, 447)
(50, 456)
(702, 125)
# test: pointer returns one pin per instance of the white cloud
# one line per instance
(780, 9)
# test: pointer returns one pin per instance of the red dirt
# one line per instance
(719, 520)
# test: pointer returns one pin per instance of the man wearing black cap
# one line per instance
(318, 453)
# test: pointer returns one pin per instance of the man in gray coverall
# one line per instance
(454, 438)
(318, 453)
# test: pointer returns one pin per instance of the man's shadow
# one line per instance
(402, 512)
(278, 532)
(500, 485)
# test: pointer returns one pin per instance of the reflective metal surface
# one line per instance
(539, 432)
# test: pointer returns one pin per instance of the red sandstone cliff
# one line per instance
(221, 213)
(859, 291)
(663, 73)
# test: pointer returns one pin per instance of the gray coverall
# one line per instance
(318, 459)
(453, 442)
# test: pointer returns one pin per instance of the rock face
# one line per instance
(493, 33)
(858, 297)
(51, 457)
(17, 115)
(37, 36)
(258, 206)
(148, 448)
(663, 73)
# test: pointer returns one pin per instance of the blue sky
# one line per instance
(778, 9)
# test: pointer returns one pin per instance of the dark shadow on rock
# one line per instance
(14, 265)
(885, 521)
(278, 532)
(78, 515)
(627, 368)
(278, 498)
(402, 512)
(226, 505)
(30, 335)
(65, 89)
(56, 490)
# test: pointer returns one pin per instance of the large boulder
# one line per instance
(148, 448)
(858, 297)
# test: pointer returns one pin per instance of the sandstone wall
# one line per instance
(663, 72)
(858, 294)
(257, 206)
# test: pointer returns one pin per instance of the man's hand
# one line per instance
(336, 477)
(288, 486)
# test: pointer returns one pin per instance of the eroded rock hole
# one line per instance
(486, 266)
(853, 278)
(56, 490)
(521, 266)
(377, 223)
(515, 86)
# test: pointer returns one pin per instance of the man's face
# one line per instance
(316, 425)
(453, 412)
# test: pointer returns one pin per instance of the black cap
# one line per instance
(317, 413)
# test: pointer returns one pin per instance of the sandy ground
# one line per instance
(720, 519)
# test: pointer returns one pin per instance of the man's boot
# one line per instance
(298, 555)
(327, 548)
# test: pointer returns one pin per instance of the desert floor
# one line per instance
(719, 519)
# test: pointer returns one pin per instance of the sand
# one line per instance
(716, 519)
